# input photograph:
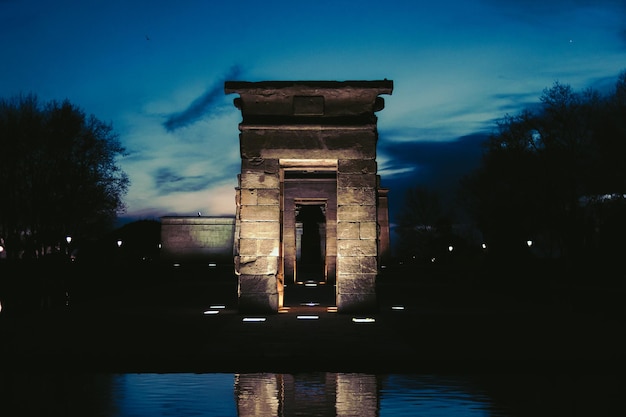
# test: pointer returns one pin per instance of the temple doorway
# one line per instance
(310, 243)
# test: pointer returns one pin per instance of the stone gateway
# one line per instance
(309, 206)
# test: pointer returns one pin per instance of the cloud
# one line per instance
(201, 106)
(168, 180)
(436, 165)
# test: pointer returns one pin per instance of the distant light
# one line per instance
(1, 248)
(363, 319)
(307, 317)
(68, 239)
(529, 243)
(119, 243)
(0, 306)
(176, 264)
(432, 260)
(218, 307)
(310, 304)
(310, 284)
(211, 312)
(212, 265)
(397, 307)
(484, 246)
(253, 319)
(159, 246)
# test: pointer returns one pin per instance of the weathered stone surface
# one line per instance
(259, 179)
(356, 247)
(356, 196)
(251, 283)
(260, 213)
(256, 163)
(260, 230)
(356, 166)
(357, 303)
(325, 133)
(384, 242)
(356, 181)
(337, 98)
(257, 265)
(348, 230)
(268, 196)
(258, 247)
(356, 283)
(196, 239)
(368, 230)
(350, 265)
(249, 197)
(317, 142)
(356, 213)
(258, 303)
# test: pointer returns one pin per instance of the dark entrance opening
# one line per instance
(310, 286)
(310, 243)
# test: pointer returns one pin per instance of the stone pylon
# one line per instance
(309, 147)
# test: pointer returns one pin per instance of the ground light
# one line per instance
(363, 319)
(397, 307)
(307, 317)
(253, 319)
(214, 309)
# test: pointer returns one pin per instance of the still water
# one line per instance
(306, 394)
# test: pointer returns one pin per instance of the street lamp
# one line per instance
(68, 239)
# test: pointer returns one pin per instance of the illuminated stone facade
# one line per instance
(309, 202)
(191, 239)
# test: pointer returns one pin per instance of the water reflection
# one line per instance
(311, 394)
(307, 394)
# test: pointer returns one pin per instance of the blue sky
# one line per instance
(155, 70)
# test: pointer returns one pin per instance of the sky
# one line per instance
(156, 70)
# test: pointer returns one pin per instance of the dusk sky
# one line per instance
(156, 71)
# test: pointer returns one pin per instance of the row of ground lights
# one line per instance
(215, 309)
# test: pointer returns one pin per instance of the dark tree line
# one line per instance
(58, 175)
(554, 174)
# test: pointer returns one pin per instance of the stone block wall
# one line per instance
(309, 124)
(197, 239)
(357, 251)
(257, 243)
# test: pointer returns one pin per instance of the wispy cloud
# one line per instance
(203, 105)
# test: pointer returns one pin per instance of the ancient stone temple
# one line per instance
(309, 203)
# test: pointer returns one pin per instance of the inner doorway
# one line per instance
(310, 242)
